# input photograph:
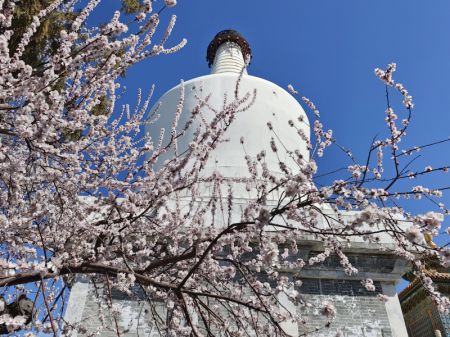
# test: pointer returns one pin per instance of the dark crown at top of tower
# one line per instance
(227, 35)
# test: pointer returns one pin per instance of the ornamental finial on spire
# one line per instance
(227, 35)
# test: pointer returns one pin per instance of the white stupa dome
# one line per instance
(272, 104)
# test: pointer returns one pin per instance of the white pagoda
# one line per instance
(359, 312)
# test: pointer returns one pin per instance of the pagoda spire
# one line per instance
(227, 52)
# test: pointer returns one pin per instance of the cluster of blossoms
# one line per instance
(386, 77)
(311, 105)
(292, 89)
(328, 310)
(170, 3)
(368, 284)
(12, 323)
(323, 138)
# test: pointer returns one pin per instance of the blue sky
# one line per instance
(328, 50)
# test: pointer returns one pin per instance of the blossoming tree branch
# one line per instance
(89, 193)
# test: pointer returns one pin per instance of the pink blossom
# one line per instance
(414, 234)
(328, 310)
(291, 89)
(382, 298)
(170, 3)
